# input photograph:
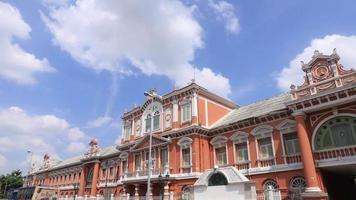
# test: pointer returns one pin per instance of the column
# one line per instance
(95, 179)
(307, 155)
(166, 191)
(194, 108)
(82, 182)
(137, 196)
(175, 114)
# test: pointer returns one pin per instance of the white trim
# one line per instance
(226, 153)
(262, 131)
(218, 141)
(190, 159)
(285, 127)
(175, 111)
(326, 119)
(239, 137)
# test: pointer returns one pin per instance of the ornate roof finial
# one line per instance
(316, 53)
(334, 51)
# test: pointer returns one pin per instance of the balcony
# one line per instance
(266, 162)
(243, 165)
(293, 158)
(337, 156)
(144, 173)
(113, 182)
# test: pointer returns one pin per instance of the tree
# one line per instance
(10, 181)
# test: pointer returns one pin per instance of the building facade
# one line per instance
(294, 143)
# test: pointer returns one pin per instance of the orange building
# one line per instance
(301, 144)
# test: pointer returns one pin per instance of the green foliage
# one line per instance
(10, 181)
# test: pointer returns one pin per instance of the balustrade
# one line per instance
(340, 153)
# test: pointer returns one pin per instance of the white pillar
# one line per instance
(171, 196)
(175, 111)
(195, 105)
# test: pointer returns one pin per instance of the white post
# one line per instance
(86, 197)
(128, 196)
(148, 193)
(112, 196)
(171, 196)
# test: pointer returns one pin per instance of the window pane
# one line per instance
(156, 122)
(186, 112)
(221, 156)
(291, 143)
(186, 156)
(138, 162)
(265, 146)
(242, 153)
(164, 157)
(148, 124)
(342, 135)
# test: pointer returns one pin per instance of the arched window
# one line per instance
(187, 193)
(217, 179)
(156, 120)
(90, 177)
(336, 132)
(297, 184)
(270, 185)
(148, 123)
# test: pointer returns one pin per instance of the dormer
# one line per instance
(322, 72)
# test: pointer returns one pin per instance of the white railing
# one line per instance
(266, 162)
(291, 159)
(342, 152)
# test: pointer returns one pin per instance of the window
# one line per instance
(156, 120)
(111, 171)
(186, 112)
(103, 171)
(336, 132)
(241, 152)
(138, 162)
(147, 155)
(291, 143)
(124, 166)
(164, 158)
(217, 179)
(265, 148)
(127, 132)
(220, 155)
(186, 160)
(270, 185)
(89, 177)
(148, 123)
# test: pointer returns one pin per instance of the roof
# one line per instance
(107, 151)
(254, 110)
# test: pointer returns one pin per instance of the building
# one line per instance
(301, 144)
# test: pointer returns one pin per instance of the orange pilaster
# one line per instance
(307, 155)
(82, 182)
(95, 180)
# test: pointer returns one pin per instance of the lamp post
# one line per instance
(163, 181)
(29, 169)
(149, 151)
(76, 188)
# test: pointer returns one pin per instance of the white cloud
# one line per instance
(157, 37)
(225, 12)
(76, 147)
(15, 63)
(346, 48)
(21, 131)
(75, 134)
(99, 122)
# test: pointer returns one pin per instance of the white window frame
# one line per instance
(218, 142)
(149, 110)
(160, 156)
(186, 102)
(140, 168)
(285, 127)
(262, 132)
(184, 143)
(239, 138)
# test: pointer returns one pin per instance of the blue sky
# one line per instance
(71, 68)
